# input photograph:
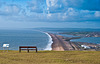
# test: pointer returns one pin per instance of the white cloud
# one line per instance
(85, 11)
(97, 13)
(71, 11)
(71, 3)
(10, 9)
(51, 3)
(53, 6)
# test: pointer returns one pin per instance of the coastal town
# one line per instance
(83, 34)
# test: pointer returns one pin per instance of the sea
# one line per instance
(26, 37)
(38, 37)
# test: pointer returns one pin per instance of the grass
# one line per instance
(50, 57)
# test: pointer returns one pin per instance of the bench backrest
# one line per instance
(27, 47)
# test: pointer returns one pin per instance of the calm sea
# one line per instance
(16, 38)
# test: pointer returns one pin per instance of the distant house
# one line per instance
(85, 47)
(98, 47)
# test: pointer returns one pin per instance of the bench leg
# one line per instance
(28, 51)
(36, 49)
(19, 50)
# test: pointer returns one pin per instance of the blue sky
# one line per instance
(50, 13)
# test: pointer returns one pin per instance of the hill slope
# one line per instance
(50, 57)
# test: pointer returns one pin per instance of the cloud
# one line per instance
(83, 4)
(60, 6)
(54, 6)
(11, 9)
(52, 11)
(37, 6)
(97, 14)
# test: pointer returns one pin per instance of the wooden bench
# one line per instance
(27, 48)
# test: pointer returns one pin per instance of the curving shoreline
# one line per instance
(59, 44)
(48, 47)
(62, 44)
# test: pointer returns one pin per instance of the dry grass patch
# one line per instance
(50, 57)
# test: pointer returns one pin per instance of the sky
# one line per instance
(50, 13)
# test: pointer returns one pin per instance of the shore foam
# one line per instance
(48, 47)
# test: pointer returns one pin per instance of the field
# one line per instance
(50, 57)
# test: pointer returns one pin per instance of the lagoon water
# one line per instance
(18, 38)
(88, 40)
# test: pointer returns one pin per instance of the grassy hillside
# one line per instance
(50, 57)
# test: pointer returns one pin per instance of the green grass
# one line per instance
(50, 57)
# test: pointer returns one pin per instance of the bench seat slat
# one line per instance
(27, 48)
